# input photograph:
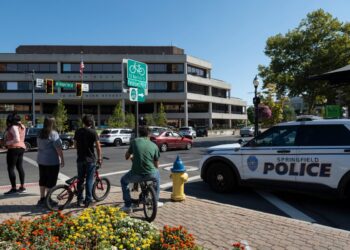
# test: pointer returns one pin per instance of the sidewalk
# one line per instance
(215, 226)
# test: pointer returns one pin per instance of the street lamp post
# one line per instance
(256, 101)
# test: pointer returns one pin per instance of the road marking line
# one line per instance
(170, 184)
(162, 165)
(114, 173)
(35, 164)
(188, 168)
(285, 207)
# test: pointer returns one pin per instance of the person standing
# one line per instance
(145, 162)
(84, 140)
(14, 141)
(50, 157)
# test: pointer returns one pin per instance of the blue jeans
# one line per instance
(85, 170)
(132, 178)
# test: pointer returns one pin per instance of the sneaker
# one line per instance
(80, 203)
(22, 190)
(88, 204)
(127, 210)
(41, 202)
(160, 204)
(12, 191)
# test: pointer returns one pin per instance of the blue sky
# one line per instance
(231, 34)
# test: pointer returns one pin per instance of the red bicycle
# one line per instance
(60, 196)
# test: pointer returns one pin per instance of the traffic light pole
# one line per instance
(33, 99)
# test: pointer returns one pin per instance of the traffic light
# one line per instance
(79, 91)
(49, 86)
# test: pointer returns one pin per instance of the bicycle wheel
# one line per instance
(101, 188)
(59, 197)
(149, 203)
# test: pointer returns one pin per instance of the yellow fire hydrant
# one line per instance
(179, 178)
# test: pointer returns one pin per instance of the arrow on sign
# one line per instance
(142, 95)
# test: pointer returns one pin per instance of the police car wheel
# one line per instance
(220, 178)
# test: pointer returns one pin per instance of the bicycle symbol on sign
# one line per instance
(137, 68)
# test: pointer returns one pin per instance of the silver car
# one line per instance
(188, 131)
(247, 131)
(115, 136)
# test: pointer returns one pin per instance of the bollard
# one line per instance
(179, 177)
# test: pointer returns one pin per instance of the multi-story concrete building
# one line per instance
(182, 83)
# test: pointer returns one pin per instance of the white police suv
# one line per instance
(302, 155)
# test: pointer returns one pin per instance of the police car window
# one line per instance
(323, 135)
(277, 136)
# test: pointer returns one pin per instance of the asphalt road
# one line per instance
(323, 210)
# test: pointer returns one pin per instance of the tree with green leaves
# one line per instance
(117, 119)
(61, 116)
(161, 119)
(130, 120)
(40, 119)
(150, 119)
(319, 44)
(2, 124)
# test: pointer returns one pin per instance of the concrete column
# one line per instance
(98, 115)
(41, 108)
(210, 91)
(210, 115)
(229, 121)
(186, 112)
(123, 104)
(155, 108)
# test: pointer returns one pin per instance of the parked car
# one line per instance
(31, 136)
(154, 130)
(202, 131)
(115, 136)
(247, 131)
(188, 132)
(171, 140)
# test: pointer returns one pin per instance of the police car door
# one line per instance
(269, 156)
(323, 156)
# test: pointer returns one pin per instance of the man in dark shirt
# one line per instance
(145, 162)
(84, 140)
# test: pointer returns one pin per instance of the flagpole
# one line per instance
(82, 89)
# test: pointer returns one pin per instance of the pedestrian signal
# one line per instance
(79, 90)
(49, 86)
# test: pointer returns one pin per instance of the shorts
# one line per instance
(48, 175)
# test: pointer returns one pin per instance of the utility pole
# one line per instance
(33, 99)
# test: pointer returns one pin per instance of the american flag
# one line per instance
(82, 66)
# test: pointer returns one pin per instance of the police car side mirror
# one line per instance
(241, 141)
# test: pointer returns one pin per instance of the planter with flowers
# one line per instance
(102, 227)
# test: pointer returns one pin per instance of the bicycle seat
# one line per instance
(71, 180)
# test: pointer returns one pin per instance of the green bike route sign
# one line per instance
(137, 74)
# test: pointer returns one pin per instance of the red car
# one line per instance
(171, 140)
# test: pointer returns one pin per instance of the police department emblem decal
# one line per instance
(252, 162)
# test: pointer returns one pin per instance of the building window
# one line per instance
(165, 68)
(219, 92)
(28, 67)
(197, 89)
(173, 107)
(192, 70)
(95, 68)
(219, 108)
(198, 107)
(237, 109)
(162, 87)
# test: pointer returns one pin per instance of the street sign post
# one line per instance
(333, 112)
(65, 85)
